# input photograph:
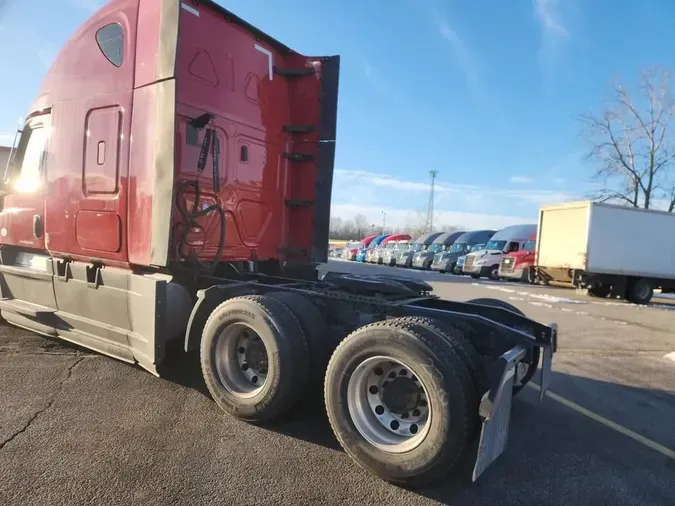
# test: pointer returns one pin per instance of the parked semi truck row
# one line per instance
(172, 181)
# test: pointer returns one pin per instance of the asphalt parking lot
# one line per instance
(80, 428)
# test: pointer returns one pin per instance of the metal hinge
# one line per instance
(298, 157)
(294, 72)
(298, 129)
(299, 203)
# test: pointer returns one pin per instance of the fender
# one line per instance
(208, 300)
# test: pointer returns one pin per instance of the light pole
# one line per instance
(384, 220)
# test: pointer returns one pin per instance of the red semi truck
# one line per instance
(520, 264)
(172, 182)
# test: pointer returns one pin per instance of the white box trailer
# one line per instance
(609, 249)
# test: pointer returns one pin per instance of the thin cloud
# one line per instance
(402, 217)
(549, 17)
(375, 79)
(521, 180)
(467, 194)
(554, 32)
(462, 55)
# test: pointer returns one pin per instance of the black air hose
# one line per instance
(190, 216)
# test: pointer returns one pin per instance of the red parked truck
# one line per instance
(520, 264)
(173, 183)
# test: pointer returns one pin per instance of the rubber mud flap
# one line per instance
(495, 408)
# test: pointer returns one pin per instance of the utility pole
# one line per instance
(430, 209)
(384, 220)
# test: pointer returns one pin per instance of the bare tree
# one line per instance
(361, 225)
(631, 145)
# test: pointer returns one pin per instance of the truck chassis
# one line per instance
(405, 370)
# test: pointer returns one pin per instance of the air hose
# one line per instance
(190, 216)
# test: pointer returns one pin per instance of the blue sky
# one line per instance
(484, 91)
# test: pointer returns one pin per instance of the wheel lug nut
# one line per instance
(244, 367)
(413, 429)
(378, 371)
(403, 372)
(242, 349)
(254, 379)
(394, 425)
(373, 389)
(379, 410)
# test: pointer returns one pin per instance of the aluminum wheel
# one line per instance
(241, 360)
(388, 404)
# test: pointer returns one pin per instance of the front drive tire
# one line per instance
(254, 358)
(410, 438)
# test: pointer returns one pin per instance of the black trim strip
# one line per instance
(325, 160)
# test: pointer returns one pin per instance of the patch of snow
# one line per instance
(665, 295)
(554, 299)
(516, 298)
(542, 304)
(670, 356)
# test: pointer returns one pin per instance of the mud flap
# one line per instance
(495, 409)
(547, 361)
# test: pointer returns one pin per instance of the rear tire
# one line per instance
(477, 380)
(640, 291)
(254, 358)
(313, 326)
(420, 453)
(535, 352)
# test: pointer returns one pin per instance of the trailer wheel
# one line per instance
(254, 358)
(640, 291)
(396, 401)
(534, 356)
(314, 327)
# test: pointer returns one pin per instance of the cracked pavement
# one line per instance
(80, 428)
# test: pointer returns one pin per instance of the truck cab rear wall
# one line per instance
(172, 67)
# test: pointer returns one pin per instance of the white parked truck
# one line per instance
(608, 249)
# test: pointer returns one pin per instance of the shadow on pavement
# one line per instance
(555, 455)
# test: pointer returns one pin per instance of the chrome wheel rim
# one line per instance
(241, 360)
(388, 404)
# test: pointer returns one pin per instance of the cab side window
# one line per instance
(110, 41)
(27, 169)
(513, 246)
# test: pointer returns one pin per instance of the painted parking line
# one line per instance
(608, 423)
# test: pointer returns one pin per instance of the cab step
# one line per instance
(25, 308)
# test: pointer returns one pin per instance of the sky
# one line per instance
(485, 92)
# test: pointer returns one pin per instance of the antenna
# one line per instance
(430, 209)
